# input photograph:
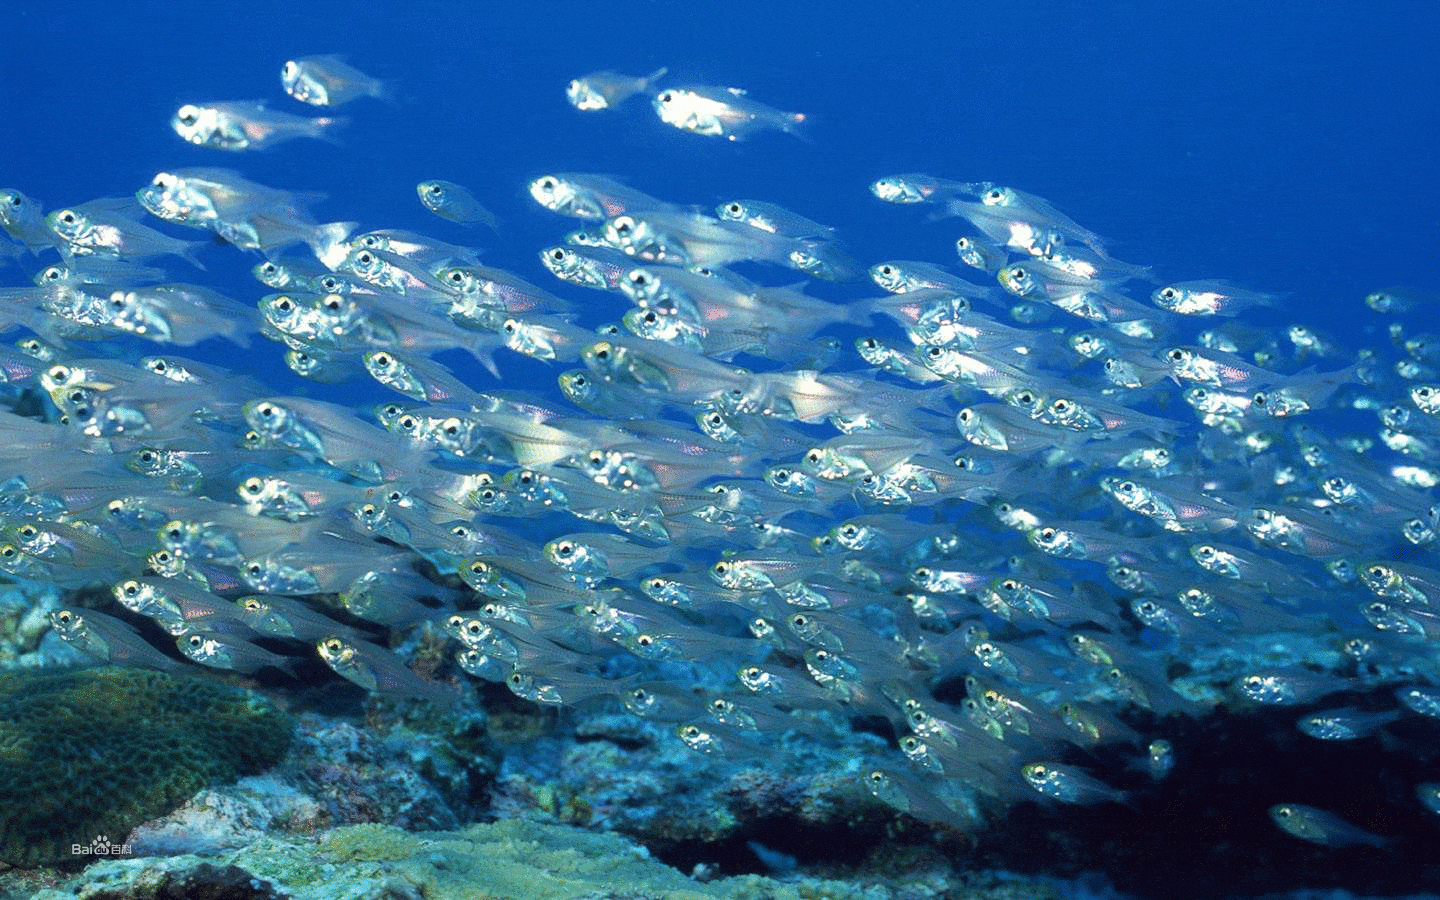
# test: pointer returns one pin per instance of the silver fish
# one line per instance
(328, 81)
(722, 112)
(449, 200)
(246, 125)
(606, 90)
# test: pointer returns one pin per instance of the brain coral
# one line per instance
(90, 753)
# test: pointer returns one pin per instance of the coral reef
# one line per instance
(87, 754)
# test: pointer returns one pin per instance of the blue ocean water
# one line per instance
(1287, 147)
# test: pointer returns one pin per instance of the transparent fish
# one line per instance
(328, 81)
(246, 125)
(606, 90)
(451, 201)
(1068, 784)
(377, 669)
(721, 112)
(1320, 827)
(24, 220)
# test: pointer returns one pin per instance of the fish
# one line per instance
(451, 201)
(606, 90)
(1321, 827)
(329, 81)
(707, 494)
(247, 125)
(108, 228)
(722, 112)
(1068, 784)
(24, 220)
(377, 669)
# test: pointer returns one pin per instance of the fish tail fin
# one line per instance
(384, 91)
(324, 128)
(189, 254)
(656, 76)
(328, 242)
(796, 124)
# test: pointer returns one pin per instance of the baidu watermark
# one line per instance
(101, 846)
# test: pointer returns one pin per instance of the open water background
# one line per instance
(1285, 146)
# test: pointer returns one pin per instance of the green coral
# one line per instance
(92, 753)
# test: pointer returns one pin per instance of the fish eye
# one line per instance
(666, 96)
(548, 184)
(285, 304)
(1176, 355)
(15, 201)
(383, 359)
(332, 303)
(557, 254)
(934, 352)
(253, 486)
(28, 531)
(1169, 293)
(1258, 399)
(188, 114)
(995, 194)
(408, 423)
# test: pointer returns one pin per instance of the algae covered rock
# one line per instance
(88, 754)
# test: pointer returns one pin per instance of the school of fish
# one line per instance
(1031, 471)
